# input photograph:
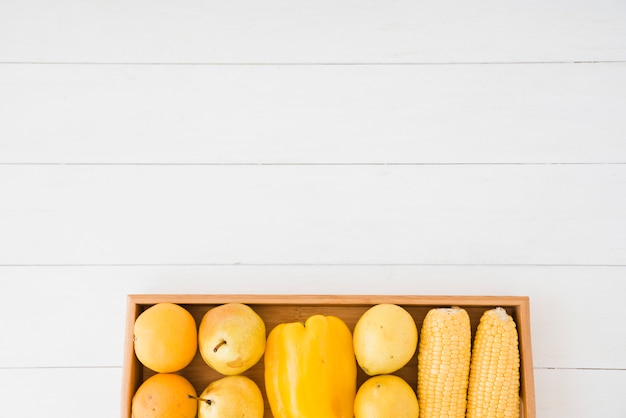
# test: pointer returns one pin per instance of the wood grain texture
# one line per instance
(562, 390)
(553, 214)
(245, 31)
(315, 114)
(335, 147)
(84, 308)
(280, 309)
(571, 393)
(61, 392)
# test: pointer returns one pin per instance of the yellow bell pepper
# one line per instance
(310, 369)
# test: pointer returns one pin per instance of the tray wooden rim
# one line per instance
(520, 303)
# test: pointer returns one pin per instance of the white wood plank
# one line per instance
(580, 393)
(318, 114)
(74, 316)
(300, 31)
(74, 392)
(467, 214)
(61, 393)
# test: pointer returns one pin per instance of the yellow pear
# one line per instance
(384, 339)
(386, 396)
(231, 397)
(231, 338)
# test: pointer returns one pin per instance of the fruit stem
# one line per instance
(208, 401)
(221, 343)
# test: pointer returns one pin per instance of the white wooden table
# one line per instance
(327, 147)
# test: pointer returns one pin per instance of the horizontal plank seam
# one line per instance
(315, 164)
(308, 265)
(311, 64)
(618, 369)
(56, 367)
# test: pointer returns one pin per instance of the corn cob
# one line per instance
(443, 363)
(494, 371)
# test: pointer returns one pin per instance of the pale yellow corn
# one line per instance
(494, 372)
(443, 363)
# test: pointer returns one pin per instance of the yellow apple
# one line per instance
(231, 338)
(384, 339)
(231, 397)
(386, 395)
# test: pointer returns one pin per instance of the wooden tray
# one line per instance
(275, 309)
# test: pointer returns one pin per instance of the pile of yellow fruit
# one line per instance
(231, 339)
(310, 368)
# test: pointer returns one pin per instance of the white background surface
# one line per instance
(452, 147)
